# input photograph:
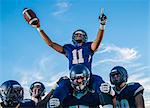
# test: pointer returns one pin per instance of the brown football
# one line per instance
(30, 16)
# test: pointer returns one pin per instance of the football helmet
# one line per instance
(37, 89)
(80, 76)
(11, 93)
(83, 33)
(121, 72)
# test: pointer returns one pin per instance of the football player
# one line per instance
(81, 95)
(80, 52)
(11, 93)
(128, 95)
(37, 91)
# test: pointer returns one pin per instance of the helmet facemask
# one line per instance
(116, 78)
(37, 90)
(79, 36)
(12, 96)
(118, 75)
(80, 83)
(80, 76)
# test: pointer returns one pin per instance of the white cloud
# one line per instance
(61, 8)
(115, 54)
(124, 54)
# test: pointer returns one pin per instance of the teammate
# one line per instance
(81, 95)
(128, 95)
(37, 91)
(11, 93)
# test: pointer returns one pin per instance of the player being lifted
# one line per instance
(80, 52)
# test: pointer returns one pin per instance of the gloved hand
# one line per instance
(106, 88)
(54, 103)
(102, 18)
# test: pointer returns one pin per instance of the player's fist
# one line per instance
(106, 88)
(102, 18)
(54, 102)
(31, 17)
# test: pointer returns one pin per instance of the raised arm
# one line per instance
(33, 20)
(97, 41)
(49, 42)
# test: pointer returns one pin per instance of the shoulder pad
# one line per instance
(27, 103)
(136, 87)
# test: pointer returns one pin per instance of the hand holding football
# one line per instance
(30, 17)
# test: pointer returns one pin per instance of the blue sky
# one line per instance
(26, 58)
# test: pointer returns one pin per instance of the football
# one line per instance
(30, 17)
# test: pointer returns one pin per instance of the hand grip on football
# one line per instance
(31, 17)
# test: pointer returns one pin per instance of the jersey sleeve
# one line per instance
(67, 48)
(136, 88)
(89, 46)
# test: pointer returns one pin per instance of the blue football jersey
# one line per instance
(79, 54)
(88, 99)
(27, 103)
(125, 98)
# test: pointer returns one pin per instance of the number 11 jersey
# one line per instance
(79, 54)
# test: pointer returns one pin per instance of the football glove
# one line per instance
(106, 88)
(102, 18)
(54, 103)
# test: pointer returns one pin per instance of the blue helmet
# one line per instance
(80, 76)
(85, 38)
(40, 89)
(123, 75)
(11, 93)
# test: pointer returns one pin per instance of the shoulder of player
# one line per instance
(26, 100)
(27, 103)
(67, 45)
(88, 43)
(133, 84)
(135, 87)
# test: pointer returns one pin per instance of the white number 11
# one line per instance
(77, 56)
